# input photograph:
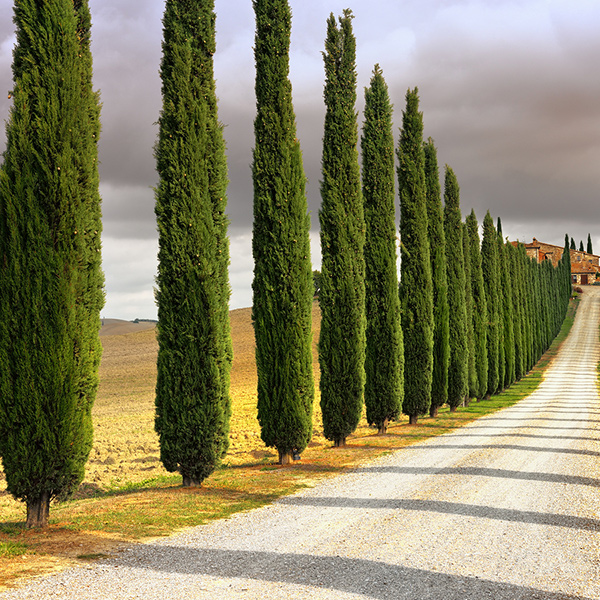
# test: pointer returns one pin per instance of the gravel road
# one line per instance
(505, 508)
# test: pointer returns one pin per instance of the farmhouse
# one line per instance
(585, 268)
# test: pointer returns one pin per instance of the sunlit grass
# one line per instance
(128, 496)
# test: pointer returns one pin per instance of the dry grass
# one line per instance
(127, 495)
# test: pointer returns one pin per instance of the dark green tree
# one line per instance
(459, 357)
(51, 284)
(479, 311)
(416, 290)
(283, 287)
(316, 283)
(590, 249)
(581, 246)
(384, 358)
(472, 366)
(437, 246)
(489, 262)
(342, 338)
(507, 313)
(573, 247)
(194, 356)
(517, 307)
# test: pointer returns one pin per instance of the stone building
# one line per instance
(585, 268)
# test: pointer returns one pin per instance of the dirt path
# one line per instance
(505, 508)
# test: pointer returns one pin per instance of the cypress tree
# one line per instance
(282, 286)
(342, 338)
(51, 284)
(194, 357)
(459, 358)
(589, 250)
(471, 365)
(507, 313)
(489, 263)
(480, 311)
(384, 358)
(416, 293)
(581, 246)
(517, 306)
(437, 245)
(573, 247)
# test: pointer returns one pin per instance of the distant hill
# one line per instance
(121, 327)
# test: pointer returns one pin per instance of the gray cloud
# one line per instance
(509, 91)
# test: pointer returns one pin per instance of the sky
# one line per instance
(509, 91)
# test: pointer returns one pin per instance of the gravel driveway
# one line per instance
(504, 508)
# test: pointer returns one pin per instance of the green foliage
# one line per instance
(416, 293)
(589, 249)
(573, 247)
(507, 314)
(283, 286)
(472, 366)
(489, 265)
(459, 353)
(342, 299)
(581, 246)
(194, 358)
(479, 307)
(51, 284)
(437, 245)
(384, 359)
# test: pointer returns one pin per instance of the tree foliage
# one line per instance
(342, 299)
(459, 355)
(283, 286)
(51, 284)
(194, 357)
(416, 290)
(384, 359)
(437, 246)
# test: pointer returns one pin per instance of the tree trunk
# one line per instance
(339, 443)
(190, 481)
(412, 419)
(453, 409)
(433, 412)
(383, 427)
(285, 457)
(38, 511)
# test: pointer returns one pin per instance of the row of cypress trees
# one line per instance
(409, 349)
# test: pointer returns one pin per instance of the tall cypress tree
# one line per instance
(384, 358)
(573, 247)
(459, 358)
(342, 299)
(517, 306)
(471, 365)
(416, 293)
(282, 286)
(479, 312)
(194, 357)
(489, 263)
(581, 246)
(437, 245)
(506, 311)
(51, 284)
(590, 249)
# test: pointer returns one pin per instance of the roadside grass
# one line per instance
(128, 497)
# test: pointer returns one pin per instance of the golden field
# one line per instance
(127, 496)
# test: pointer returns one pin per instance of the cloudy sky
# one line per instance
(509, 91)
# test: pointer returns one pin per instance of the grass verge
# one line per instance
(103, 520)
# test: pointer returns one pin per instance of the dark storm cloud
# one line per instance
(509, 92)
